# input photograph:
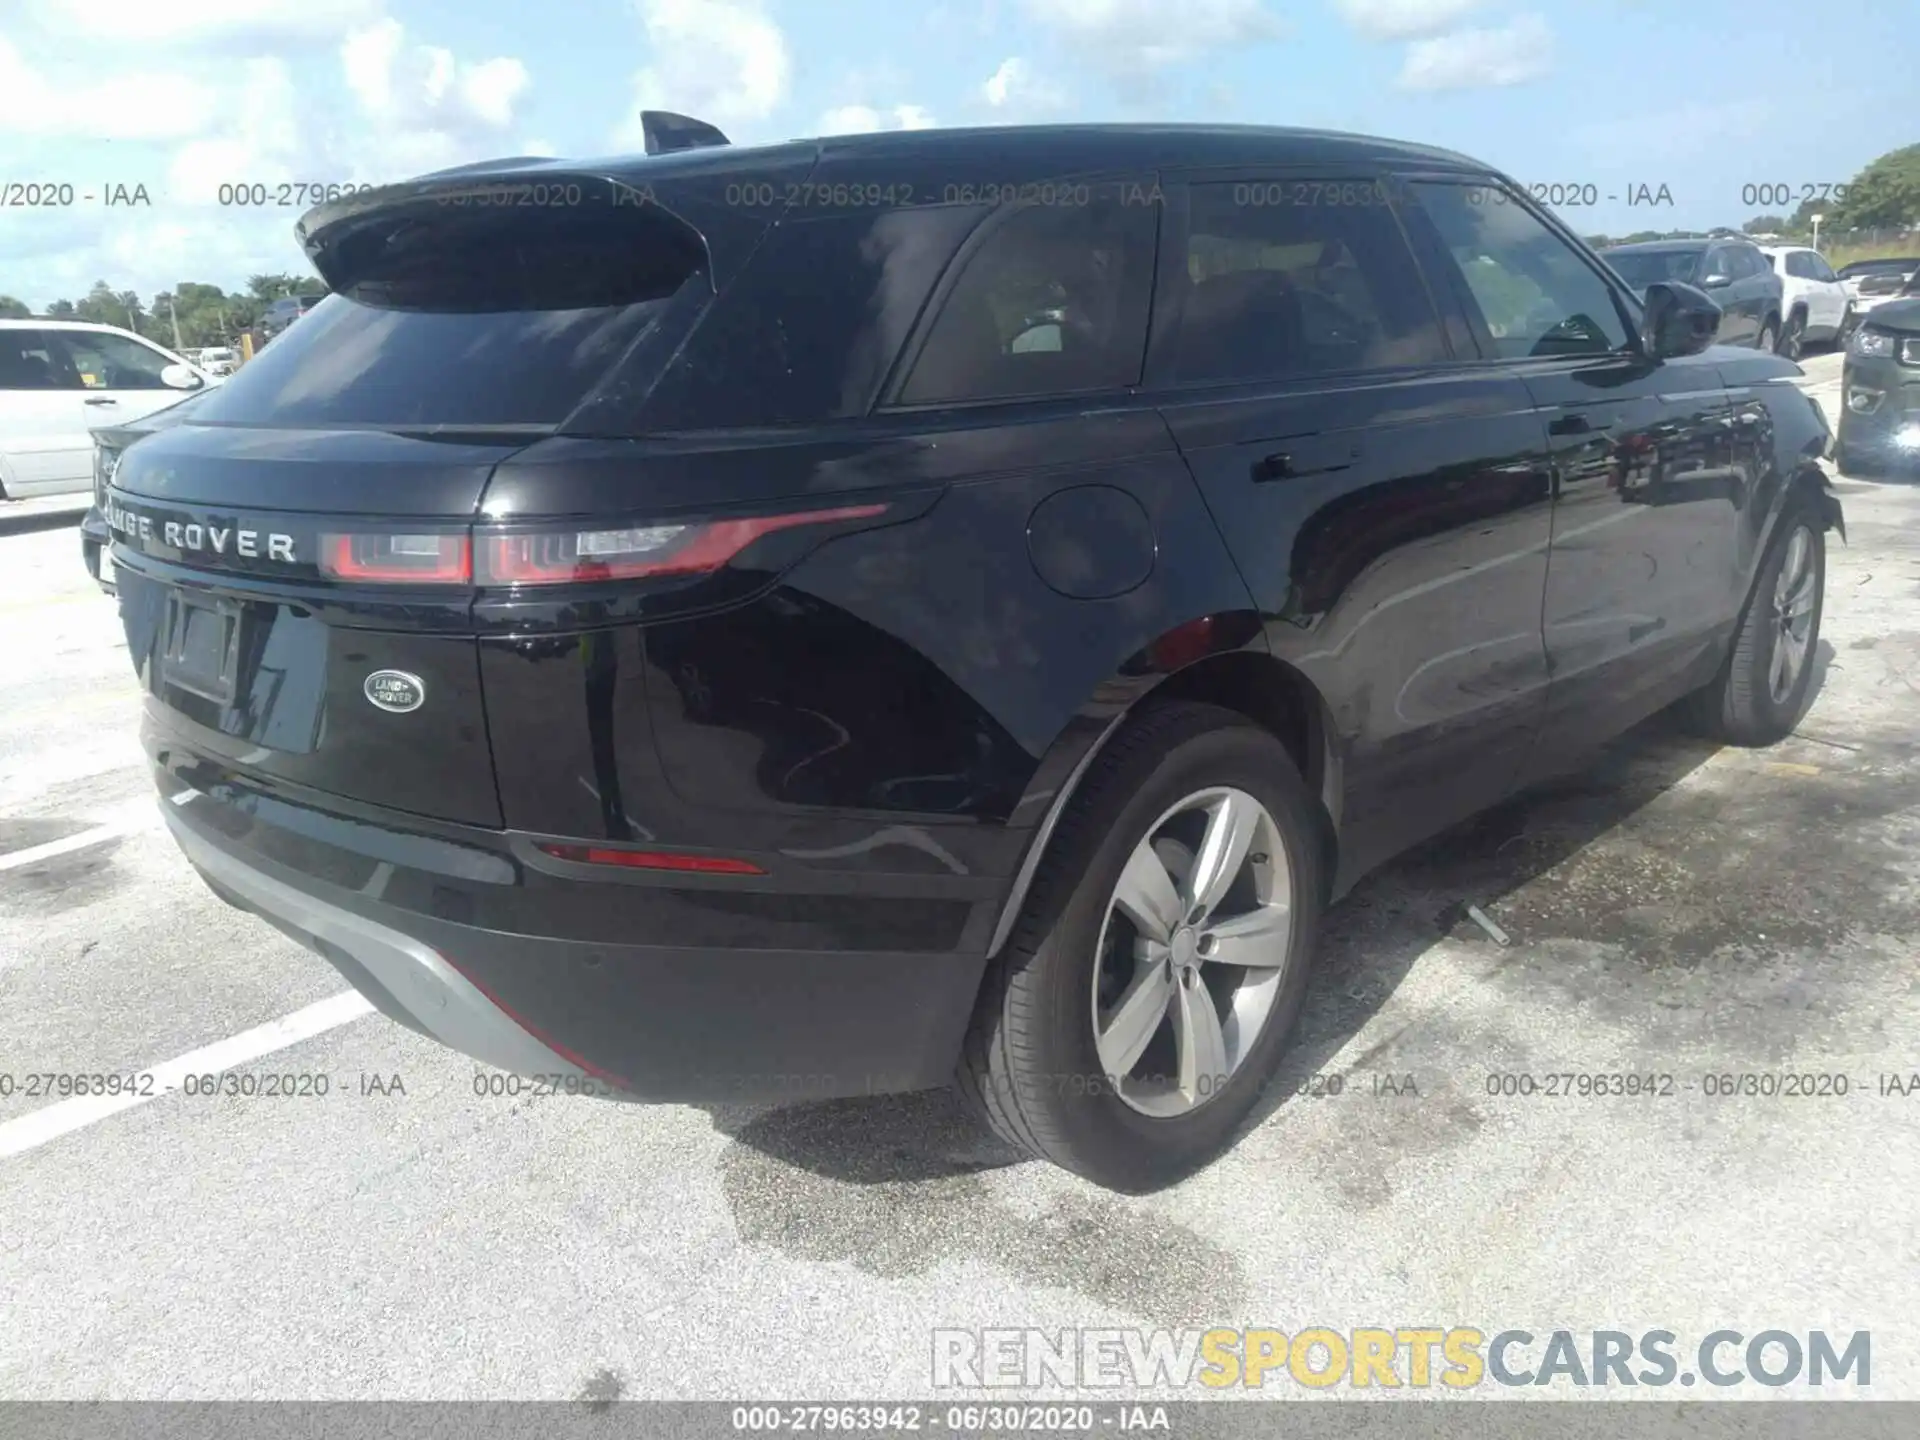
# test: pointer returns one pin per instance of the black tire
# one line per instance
(1030, 1068)
(1849, 322)
(1793, 336)
(1740, 706)
(1768, 340)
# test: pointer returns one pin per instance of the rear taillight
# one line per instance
(398, 559)
(558, 557)
(652, 860)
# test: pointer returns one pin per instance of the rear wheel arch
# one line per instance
(1267, 691)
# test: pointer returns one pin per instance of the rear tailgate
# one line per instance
(297, 558)
(256, 657)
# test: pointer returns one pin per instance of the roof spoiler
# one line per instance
(665, 131)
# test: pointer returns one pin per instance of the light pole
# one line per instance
(173, 314)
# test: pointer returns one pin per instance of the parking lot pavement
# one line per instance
(1676, 911)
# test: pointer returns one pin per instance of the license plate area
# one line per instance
(200, 646)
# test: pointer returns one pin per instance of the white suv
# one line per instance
(1814, 305)
(61, 378)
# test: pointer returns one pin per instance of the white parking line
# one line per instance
(34, 1130)
(136, 815)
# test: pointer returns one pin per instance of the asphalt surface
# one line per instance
(1677, 910)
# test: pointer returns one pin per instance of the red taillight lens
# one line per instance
(555, 557)
(652, 860)
(398, 559)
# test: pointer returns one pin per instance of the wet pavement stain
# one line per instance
(64, 882)
(894, 1185)
(25, 833)
(603, 1387)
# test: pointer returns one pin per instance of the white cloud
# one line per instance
(1404, 19)
(1473, 59)
(716, 60)
(1014, 87)
(1140, 36)
(135, 105)
(425, 87)
(220, 23)
(864, 119)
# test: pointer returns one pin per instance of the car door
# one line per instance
(44, 446)
(122, 375)
(1640, 581)
(1717, 277)
(1386, 500)
(1827, 293)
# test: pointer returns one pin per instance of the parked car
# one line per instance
(1871, 283)
(1734, 272)
(1818, 308)
(280, 314)
(59, 379)
(109, 443)
(1880, 389)
(702, 658)
(219, 360)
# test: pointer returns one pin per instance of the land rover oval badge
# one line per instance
(396, 690)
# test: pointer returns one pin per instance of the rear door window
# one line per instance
(1052, 299)
(30, 360)
(1298, 277)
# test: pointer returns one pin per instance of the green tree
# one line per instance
(12, 309)
(62, 310)
(1766, 225)
(1886, 193)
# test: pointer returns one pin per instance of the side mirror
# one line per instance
(180, 377)
(1716, 282)
(1678, 320)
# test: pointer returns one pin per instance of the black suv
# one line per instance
(1880, 388)
(1736, 273)
(830, 618)
(275, 319)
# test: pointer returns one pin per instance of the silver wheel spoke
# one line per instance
(1230, 828)
(1135, 1019)
(1213, 985)
(1146, 894)
(1201, 1046)
(1781, 674)
(1257, 940)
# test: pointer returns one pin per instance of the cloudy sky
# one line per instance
(1702, 96)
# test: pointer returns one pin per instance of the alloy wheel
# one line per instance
(1192, 951)
(1793, 597)
(1792, 339)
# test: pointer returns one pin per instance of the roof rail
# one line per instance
(665, 131)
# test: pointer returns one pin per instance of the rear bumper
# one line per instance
(393, 906)
(94, 539)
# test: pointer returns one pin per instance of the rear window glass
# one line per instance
(448, 317)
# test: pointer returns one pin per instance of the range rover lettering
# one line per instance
(737, 648)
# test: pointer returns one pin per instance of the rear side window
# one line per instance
(29, 360)
(809, 330)
(1536, 294)
(1051, 300)
(465, 317)
(1299, 278)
